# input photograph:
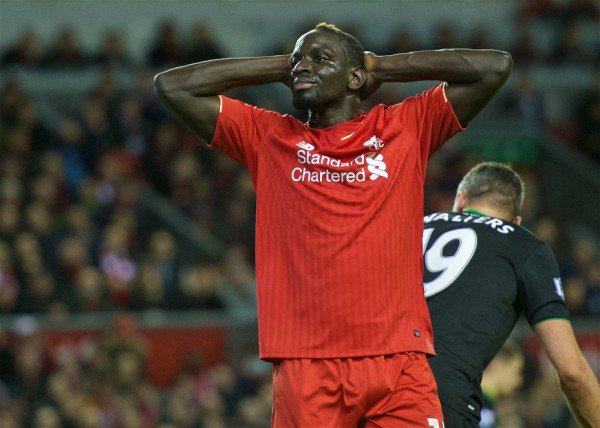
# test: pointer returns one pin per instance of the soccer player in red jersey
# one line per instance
(341, 312)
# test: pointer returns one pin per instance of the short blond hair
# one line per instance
(496, 183)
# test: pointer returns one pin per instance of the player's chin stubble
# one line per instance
(304, 101)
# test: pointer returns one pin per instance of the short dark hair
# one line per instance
(496, 183)
(355, 53)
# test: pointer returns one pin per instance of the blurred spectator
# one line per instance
(190, 188)
(133, 130)
(548, 230)
(40, 220)
(481, 38)
(501, 379)
(593, 292)
(40, 295)
(568, 48)
(47, 416)
(446, 36)
(149, 291)
(546, 405)
(11, 97)
(99, 135)
(26, 115)
(255, 385)
(166, 50)
(18, 142)
(47, 188)
(105, 92)
(30, 360)
(10, 220)
(70, 139)
(524, 50)
(202, 45)
(117, 263)
(78, 222)
(584, 255)
(163, 256)
(527, 101)
(239, 272)
(66, 51)
(112, 52)
(575, 295)
(72, 256)
(163, 148)
(198, 286)
(531, 9)
(583, 10)
(9, 288)
(26, 52)
(181, 409)
(403, 40)
(588, 121)
(89, 291)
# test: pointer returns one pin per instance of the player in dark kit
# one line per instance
(481, 271)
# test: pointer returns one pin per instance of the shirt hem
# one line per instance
(268, 356)
(472, 416)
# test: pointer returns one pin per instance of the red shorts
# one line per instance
(385, 391)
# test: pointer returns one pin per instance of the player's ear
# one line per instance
(461, 201)
(518, 219)
(357, 78)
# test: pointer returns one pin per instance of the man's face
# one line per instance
(319, 70)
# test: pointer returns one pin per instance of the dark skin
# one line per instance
(325, 83)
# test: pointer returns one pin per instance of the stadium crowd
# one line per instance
(74, 236)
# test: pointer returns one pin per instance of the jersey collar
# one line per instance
(470, 211)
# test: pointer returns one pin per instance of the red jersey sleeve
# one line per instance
(430, 116)
(239, 130)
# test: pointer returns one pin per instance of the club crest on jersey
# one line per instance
(558, 288)
(306, 146)
(374, 143)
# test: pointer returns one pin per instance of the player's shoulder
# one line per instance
(434, 92)
(411, 102)
(233, 106)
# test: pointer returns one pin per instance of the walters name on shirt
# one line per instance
(365, 166)
(495, 223)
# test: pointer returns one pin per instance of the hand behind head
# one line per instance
(371, 84)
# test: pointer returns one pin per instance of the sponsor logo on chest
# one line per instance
(370, 166)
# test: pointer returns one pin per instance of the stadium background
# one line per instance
(126, 246)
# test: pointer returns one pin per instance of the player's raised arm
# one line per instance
(473, 75)
(191, 91)
(576, 378)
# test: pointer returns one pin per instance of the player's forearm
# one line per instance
(447, 65)
(583, 396)
(209, 78)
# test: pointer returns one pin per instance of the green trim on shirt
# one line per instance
(549, 319)
(470, 211)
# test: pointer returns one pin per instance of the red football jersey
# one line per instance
(339, 223)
